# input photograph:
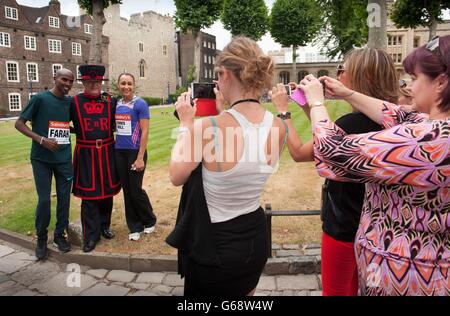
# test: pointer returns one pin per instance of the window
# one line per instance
(55, 68)
(54, 46)
(30, 42)
(206, 73)
(416, 42)
(11, 13)
(142, 69)
(32, 72)
(5, 40)
(14, 102)
(76, 49)
(322, 73)
(165, 50)
(213, 46)
(395, 40)
(204, 44)
(301, 75)
(285, 77)
(12, 71)
(205, 59)
(30, 95)
(209, 45)
(78, 74)
(88, 28)
(53, 22)
(210, 73)
(399, 58)
(141, 47)
(214, 60)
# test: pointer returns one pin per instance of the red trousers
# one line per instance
(339, 270)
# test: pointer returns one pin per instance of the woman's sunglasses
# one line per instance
(340, 70)
(433, 46)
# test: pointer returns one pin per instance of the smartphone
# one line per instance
(203, 90)
(299, 97)
(288, 89)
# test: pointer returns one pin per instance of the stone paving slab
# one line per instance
(4, 251)
(150, 277)
(57, 286)
(299, 282)
(106, 290)
(97, 273)
(267, 283)
(38, 272)
(15, 261)
(10, 288)
(121, 276)
(173, 280)
(23, 276)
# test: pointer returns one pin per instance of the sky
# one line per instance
(128, 7)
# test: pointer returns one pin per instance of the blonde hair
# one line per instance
(249, 64)
(372, 72)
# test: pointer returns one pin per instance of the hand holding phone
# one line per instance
(299, 97)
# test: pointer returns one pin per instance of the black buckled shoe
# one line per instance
(41, 250)
(89, 246)
(108, 234)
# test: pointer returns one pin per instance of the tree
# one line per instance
(377, 22)
(294, 23)
(249, 18)
(193, 15)
(413, 13)
(95, 9)
(344, 24)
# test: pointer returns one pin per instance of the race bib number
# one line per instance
(59, 131)
(123, 124)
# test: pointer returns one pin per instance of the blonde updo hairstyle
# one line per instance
(246, 60)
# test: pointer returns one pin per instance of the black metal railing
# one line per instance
(271, 213)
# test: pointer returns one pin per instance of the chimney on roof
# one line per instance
(55, 4)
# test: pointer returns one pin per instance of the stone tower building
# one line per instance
(144, 46)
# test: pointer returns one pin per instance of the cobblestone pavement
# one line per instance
(22, 275)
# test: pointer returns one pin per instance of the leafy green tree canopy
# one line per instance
(194, 15)
(295, 22)
(88, 4)
(249, 18)
(345, 25)
(413, 13)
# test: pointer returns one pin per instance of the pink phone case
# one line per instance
(298, 96)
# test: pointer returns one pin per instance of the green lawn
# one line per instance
(18, 196)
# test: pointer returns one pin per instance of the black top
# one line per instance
(342, 205)
(193, 233)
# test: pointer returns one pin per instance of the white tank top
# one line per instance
(237, 191)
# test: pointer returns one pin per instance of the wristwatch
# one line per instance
(316, 103)
(284, 115)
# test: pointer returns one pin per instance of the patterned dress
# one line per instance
(402, 245)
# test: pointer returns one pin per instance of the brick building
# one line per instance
(34, 43)
(186, 44)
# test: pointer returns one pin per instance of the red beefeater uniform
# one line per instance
(95, 175)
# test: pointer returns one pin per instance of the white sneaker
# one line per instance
(149, 230)
(134, 236)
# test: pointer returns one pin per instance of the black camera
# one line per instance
(203, 90)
